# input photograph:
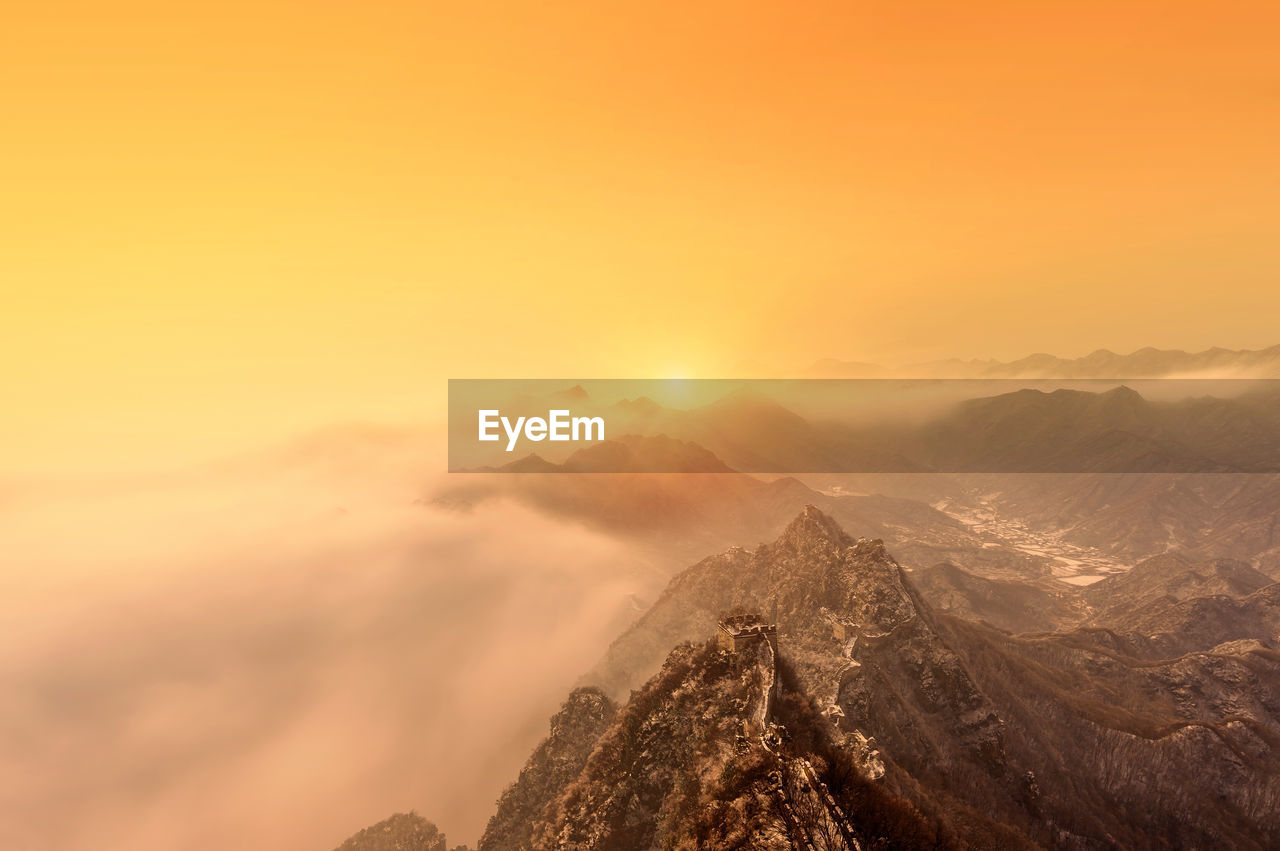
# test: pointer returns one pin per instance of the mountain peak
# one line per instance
(575, 729)
(586, 705)
(1123, 391)
(638, 405)
(645, 454)
(576, 393)
(402, 832)
(811, 527)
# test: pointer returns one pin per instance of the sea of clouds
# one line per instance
(277, 652)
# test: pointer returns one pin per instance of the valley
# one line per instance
(1072, 563)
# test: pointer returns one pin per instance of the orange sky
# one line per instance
(229, 220)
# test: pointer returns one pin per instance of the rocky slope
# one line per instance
(555, 763)
(720, 749)
(963, 719)
(894, 725)
(1116, 431)
(1164, 606)
(1125, 752)
(675, 519)
(1168, 627)
(661, 765)
(401, 832)
(1135, 516)
(820, 578)
(627, 454)
(988, 427)
(1166, 579)
(1007, 605)
(863, 643)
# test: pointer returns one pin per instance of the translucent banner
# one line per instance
(1168, 425)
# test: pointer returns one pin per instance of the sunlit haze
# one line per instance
(276, 565)
(226, 223)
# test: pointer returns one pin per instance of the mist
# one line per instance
(274, 655)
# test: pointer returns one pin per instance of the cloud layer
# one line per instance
(274, 660)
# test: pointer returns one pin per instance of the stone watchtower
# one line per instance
(735, 632)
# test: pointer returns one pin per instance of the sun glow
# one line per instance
(227, 222)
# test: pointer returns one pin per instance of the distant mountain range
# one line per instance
(971, 426)
(1024, 431)
(678, 517)
(1143, 363)
(1117, 431)
(629, 453)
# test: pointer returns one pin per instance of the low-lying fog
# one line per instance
(274, 655)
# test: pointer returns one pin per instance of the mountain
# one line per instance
(626, 454)
(1028, 430)
(858, 715)
(671, 757)
(1007, 605)
(1168, 578)
(832, 368)
(1135, 516)
(1165, 606)
(531, 463)
(556, 762)
(674, 519)
(1144, 363)
(1117, 431)
(1066, 739)
(721, 750)
(1129, 752)
(862, 640)
(401, 832)
(823, 580)
(1166, 628)
(759, 434)
(753, 432)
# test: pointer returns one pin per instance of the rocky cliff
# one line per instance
(896, 726)
(1067, 739)
(862, 640)
(555, 763)
(401, 832)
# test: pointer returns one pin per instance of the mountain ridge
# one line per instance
(881, 722)
(1146, 362)
(926, 700)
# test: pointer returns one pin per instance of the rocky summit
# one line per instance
(401, 832)
(555, 763)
